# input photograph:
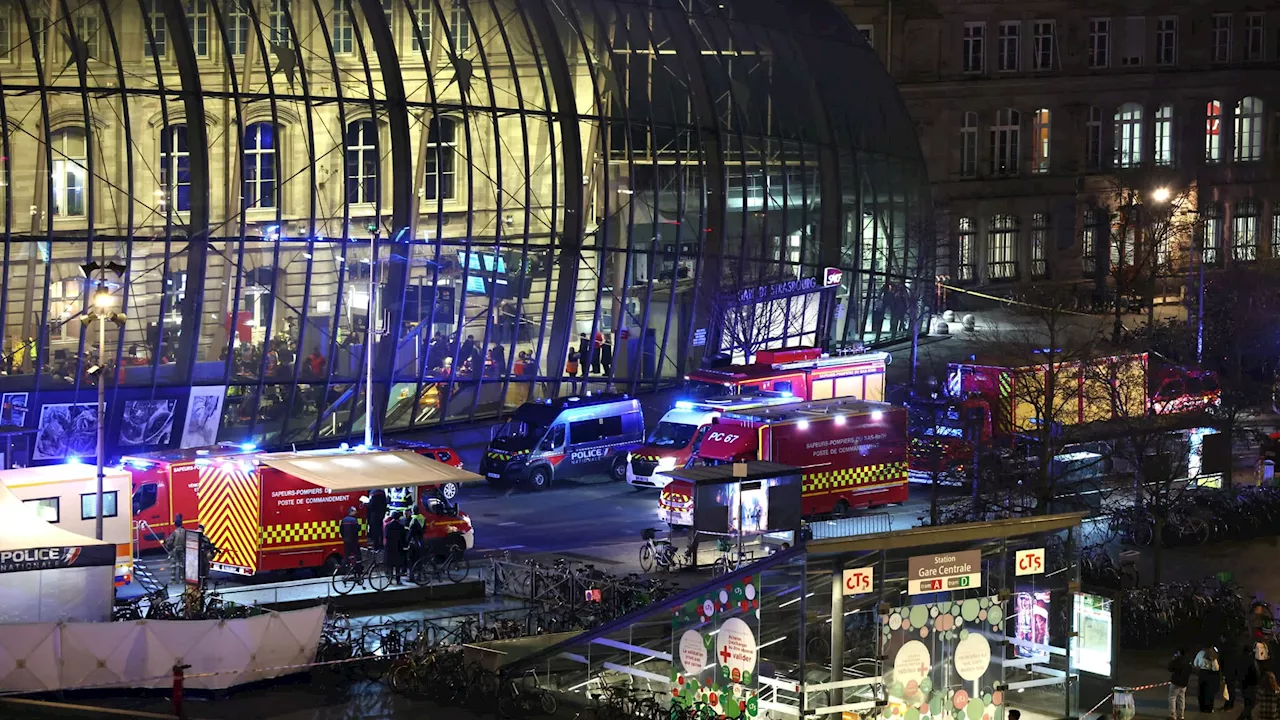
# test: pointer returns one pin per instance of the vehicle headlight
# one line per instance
(628, 458)
(666, 463)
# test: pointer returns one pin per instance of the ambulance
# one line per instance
(680, 431)
(67, 496)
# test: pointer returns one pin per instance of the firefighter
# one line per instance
(176, 546)
(397, 540)
(350, 531)
(417, 528)
(377, 513)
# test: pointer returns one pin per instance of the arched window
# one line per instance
(68, 173)
(1164, 135)
(459, 28)
(175, 167)
(260, 166)
(1213, 131)
(442, 153)
(1248, 130)
(1128, 120)
(362, 162)
(1002, 247)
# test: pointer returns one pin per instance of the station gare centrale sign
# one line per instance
(944, 572)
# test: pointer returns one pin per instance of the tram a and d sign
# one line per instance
(944, 572)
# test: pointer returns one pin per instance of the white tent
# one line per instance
(48, 574)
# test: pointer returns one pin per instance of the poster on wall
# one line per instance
(1031, 621)
(940, 660)
(1091, 647)
(147, 422)
(13, 409)
(204, 415)
(715, 639)
(67, 430)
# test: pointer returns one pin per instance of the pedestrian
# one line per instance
(397, 541)
(595, 352)
(377, 511)
(584, 352)
(1179, 678)
(349, 529)
(417, 529)
(1268, 703)
(498, 357)
(1208, 678)
(1249, 677)
(571, 365)
(606, 354)
(176, 546)
(468, 349)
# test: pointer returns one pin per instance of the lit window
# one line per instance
(198, 25)
(1167, 41)
(1164, 135)
(1040, 140)
(69, 172)
(1255, 32)
(966, 238)
(1212, 214)
(1222, 38)
(969, 145)
(459, 28)
(89, 505)
(1093, 138)
(422, 11)
(975, 51)
(1099, 43)
(442, 152)
(1128, 122)
(1213, 131)
(1009, 43)
(1088, 241)
(1044, 41)
(1244, 231)
(362, 162)
(260, 166)
(1248, 130)
(1039, 245)
(1002, 244)
(343, 32)
(175, 167)
(46, 508)
(159, 33)
(1004, 143)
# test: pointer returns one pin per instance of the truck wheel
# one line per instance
(619, 470)
(540, 478)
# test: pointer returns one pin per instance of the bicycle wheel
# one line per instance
(646, 558)
(457, 567)
(379, 577)
(420, 573)
(345, 579)
(547, 702)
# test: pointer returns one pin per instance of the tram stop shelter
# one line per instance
(743, 499)
(959, 622)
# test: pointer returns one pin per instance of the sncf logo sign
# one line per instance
(723, 437)
(1029, 562)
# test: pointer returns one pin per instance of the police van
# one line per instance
(561, 438)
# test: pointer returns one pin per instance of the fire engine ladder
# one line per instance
(142, 572)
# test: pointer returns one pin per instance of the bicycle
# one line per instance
(351, 573)
(452, 565)
(516, 700)
(661, 554)
(726, 562)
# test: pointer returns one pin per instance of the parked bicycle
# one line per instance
(356, 573)
(660, 553)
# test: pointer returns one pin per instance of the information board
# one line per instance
(944, 572)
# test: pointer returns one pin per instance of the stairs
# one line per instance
(146, 577)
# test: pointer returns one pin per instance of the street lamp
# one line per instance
(1161, 194)
(103, 312)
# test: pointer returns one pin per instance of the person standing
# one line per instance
(1249, 678)
(571, 365)
(397, 540)
(584, 353)
(606, 354)
(595, 353)
(176, 546)
(1208, 678)
(349, 529)
(1268, 703)
(377, 511)
(1179, 678)
(498, 357)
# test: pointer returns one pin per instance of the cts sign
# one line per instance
(1029, 562)
(859, 581)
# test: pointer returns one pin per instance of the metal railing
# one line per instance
(866, 524)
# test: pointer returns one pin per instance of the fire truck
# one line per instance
(804, 372)
(990, 409)
(853, 454)
(165, 484)
(680, 432)
(281, 511)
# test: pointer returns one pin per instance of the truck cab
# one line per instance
(680, 431)
(165, 484)
(544, 442)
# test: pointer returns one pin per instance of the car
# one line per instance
(446, 455)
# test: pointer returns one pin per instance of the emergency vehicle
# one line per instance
(853, 454)
(281, 511)
(67, 496)
(804, 372)
(165, 484)
(680, 431)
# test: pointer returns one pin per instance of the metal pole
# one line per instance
(102, 417)
(1200, 313)
(368, 344)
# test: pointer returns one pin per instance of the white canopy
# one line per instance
(345, 471)
(21, 529)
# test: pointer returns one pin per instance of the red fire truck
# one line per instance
(165, 485)
(853, 453)
(281, 511)
(803, 372)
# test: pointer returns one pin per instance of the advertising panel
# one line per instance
(716, 652)
(1092, 621)
(1031, 621)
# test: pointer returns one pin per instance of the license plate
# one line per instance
(493, 475)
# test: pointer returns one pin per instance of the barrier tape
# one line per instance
(1112, 696)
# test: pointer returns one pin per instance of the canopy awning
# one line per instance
(354, 470)
(728, 443)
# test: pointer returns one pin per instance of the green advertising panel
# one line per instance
(715, 651)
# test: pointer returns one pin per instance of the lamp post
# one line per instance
(102, 312)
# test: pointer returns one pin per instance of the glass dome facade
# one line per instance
(495, 183)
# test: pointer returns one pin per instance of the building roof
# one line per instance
(721, 474)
